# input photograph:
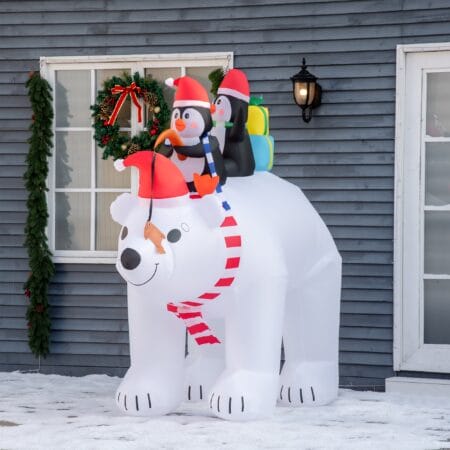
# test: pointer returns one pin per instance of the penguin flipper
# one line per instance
(237, 131)
(166, 150)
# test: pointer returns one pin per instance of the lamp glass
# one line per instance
(304, 93)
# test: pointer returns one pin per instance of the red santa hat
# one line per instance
(168, 180)
(235, 83)
(189, 92)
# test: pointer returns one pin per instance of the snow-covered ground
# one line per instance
(55, 412)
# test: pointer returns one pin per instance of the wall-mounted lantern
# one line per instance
(307, 92)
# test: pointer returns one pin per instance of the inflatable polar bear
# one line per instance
(285, 287)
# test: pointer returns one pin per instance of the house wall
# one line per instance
(342, 159)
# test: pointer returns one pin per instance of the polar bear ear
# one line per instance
(121, 207)
(211, 210)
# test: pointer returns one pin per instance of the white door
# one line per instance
(422, 234)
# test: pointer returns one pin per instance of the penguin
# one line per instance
(230, 115)
(190, 122)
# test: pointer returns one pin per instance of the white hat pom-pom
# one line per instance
(169, 82)
(119, 165)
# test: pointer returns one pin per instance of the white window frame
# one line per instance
(135, 63)
(409, 351)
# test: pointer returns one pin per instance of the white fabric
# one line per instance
(184, 103)
(188, 166)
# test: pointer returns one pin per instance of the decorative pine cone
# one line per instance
(133, 148)
(150, 99)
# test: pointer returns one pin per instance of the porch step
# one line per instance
(418, 386)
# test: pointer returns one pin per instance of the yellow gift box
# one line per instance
(258, 118)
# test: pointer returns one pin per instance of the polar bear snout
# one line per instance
(130, 259)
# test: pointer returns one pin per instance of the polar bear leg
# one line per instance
(153, 385)
(311, 337)
(204, 363)
(247, 389)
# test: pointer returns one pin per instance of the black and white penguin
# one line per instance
(230, 118)
(191, 120)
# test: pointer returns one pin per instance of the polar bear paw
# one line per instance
(201, 373)
(243, 395)
(308, 384)
(142, 394)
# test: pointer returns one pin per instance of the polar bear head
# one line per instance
(192, 255)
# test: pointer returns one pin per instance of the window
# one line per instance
(81, 184)
(422, 216)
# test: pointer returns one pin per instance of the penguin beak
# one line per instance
(180, 125)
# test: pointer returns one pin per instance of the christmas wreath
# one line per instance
(107, 107)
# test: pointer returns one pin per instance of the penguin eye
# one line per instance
(176, 113)
(219, 101)
(186, 115)
(124, 233)
(174, 235)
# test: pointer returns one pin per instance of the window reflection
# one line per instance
(438, 104)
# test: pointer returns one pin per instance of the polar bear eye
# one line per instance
(174, 235)
(124, 233)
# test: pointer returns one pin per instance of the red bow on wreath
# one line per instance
(132, 89)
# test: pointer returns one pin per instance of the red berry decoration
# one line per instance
(27, 293)
(39, 308)
(105, 139)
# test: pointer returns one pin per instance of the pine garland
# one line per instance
(216, 77)
(41, 265)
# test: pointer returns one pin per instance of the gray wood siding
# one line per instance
(343, 159)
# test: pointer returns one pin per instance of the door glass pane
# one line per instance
(201, 75)
(437, 242)
(72, 221)
(107, 230)
(161, 74)
(437, 312)
(438, 104)
(124, 117)
(437, 170)
(73, 98)
(73, 159)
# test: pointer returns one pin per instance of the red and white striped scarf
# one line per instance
(190, 311)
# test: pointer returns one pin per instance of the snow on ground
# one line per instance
(55, 412)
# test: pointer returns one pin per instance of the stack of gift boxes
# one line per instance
(258, 129)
